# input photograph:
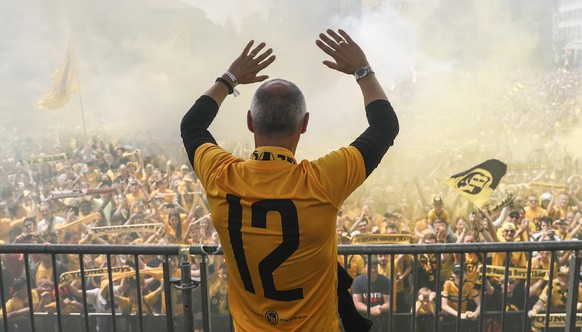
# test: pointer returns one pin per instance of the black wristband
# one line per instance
(225, 82)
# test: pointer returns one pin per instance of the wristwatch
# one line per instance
(363, 72)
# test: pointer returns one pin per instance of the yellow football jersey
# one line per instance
(451, 293)
(273, 216)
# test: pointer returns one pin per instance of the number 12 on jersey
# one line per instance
(290, 226)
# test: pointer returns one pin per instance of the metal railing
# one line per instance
(482, 248)
(140, 321)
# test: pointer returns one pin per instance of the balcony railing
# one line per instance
(184, 320)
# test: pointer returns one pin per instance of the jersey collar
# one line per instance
(276, 153)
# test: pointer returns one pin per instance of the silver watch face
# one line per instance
(362, 71)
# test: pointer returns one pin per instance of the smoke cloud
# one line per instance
(449, 68)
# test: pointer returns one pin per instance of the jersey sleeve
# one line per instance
(340, 173)
(446, 289)
(9, 306)
(208, 158)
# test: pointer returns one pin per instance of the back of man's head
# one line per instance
(277, 109)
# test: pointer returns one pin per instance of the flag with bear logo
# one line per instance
(478, 183)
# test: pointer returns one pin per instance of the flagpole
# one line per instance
(83, 114)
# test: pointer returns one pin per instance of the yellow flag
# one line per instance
(65, 82)
(478, 183)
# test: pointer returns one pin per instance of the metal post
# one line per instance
(3, 299)
(111, 292)
(460, 290)
(168, 294)
(138, 290)
(29, 290)
(186, 284)
(508, 256)
(483, 281)
(573, 283)
(526, 300)
(550, 286)
(392, 296)
(56, 288)
(438, 293)
(414, 292)
(205, 301)
(84, 290)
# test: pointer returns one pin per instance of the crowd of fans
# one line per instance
(94, 195)
(62, 191)
(546, 217)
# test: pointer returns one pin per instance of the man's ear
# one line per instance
(250, 122)
(305, 123)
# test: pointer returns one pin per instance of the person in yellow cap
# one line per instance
(517, 258)
(438, 211)
(563, 229)
(184, 170)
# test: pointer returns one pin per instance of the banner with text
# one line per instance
(124, 229)
(382, 239)
(515, 272)
(68, 277)
(556, 320)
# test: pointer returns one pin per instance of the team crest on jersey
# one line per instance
(272, 317)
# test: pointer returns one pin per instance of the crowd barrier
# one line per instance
(87, 321)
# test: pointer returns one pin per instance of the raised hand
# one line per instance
(250, 62)
(341, 47)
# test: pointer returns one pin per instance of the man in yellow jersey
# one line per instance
(276, 217)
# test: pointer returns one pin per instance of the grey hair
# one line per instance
(277, 109)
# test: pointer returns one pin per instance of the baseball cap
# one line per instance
(560, 222)
(514, 213)
(437, 200)
(189, 177)
(564, 271)
(508, 227)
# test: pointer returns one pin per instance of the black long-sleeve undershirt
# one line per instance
(373, 143)
(194, 125)
(383, 127)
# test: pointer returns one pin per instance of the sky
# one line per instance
(143, 63)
